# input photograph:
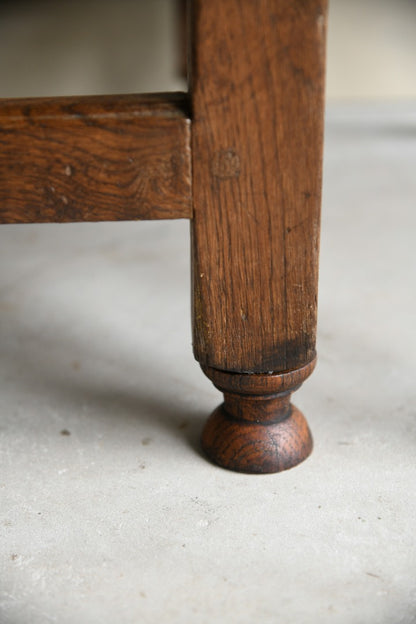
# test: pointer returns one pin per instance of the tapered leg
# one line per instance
(257, 83)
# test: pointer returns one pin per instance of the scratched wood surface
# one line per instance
(94, 159)
(257, 100)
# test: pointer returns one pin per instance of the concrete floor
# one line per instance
(108, 511)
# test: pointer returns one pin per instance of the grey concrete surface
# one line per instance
(108, 511)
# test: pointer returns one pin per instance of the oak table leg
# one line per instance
(257, 86)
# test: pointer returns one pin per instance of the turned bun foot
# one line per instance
(257, 429)
(254, 447)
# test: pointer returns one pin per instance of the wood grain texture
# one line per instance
(257, 86)
(96, 158)
(257, 429)
(253, 447)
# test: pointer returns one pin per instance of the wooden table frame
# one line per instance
(241, 156)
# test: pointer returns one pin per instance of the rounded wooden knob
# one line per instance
(255, 447)
(257, 429)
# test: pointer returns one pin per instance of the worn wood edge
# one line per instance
(269, 383)
(55, 154)
(170, 104)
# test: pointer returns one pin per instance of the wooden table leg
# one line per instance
(257, 87)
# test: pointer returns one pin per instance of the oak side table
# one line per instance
(240, 155)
